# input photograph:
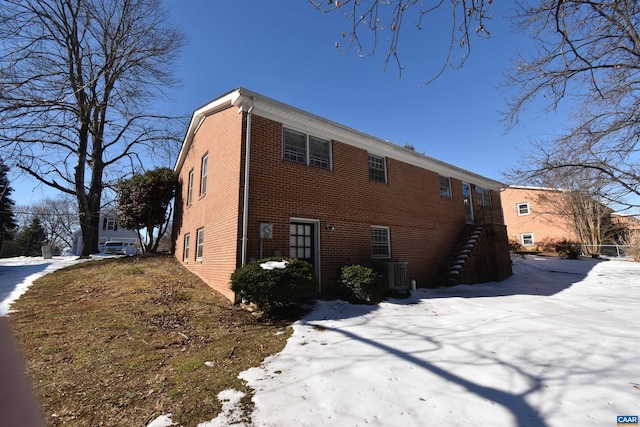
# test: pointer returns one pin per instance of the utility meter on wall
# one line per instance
(266, 230)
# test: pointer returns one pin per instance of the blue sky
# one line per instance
(288, 53)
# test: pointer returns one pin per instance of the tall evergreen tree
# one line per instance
(7, 218)
(31, 239)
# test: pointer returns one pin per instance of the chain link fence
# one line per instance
(609, 251)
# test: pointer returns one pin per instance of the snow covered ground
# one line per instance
(556, 344)
(17, 274)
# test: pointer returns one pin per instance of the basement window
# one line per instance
(527, 239)
(187, 239)
(199, 244)
(380, 242)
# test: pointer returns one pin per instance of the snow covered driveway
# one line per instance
(17, 274)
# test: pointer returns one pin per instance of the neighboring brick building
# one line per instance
(326, 193)
(534, 216)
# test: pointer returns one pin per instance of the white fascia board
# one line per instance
(198, 117)
(306, 122)
(531, 187)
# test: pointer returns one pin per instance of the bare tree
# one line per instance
(632, 240)
(578, 201)
(384, 20)
(77, 78)
(588, 54)
(59, 218)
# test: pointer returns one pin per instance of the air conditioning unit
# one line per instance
(396, 273)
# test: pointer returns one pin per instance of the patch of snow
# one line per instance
(270, 265)
(230, 414)
(162, 421)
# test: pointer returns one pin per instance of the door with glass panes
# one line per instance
(468, 203)
(301, 241)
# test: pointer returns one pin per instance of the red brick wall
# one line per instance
(220, 135)
(545, 221)
(423, 225)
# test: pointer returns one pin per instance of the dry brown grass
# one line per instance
(120, 342)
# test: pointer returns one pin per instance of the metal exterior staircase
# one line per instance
(461, 255)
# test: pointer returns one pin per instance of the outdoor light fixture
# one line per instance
(329, 227)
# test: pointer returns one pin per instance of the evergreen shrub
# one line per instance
(268, 289)
(363, 284)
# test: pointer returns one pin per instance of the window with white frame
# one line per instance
(204, 171)
(199, 244)
(527, 239)
(445, 186)
(190, 188)
(523, 209)
(380, 242)
(484, 196)
(109, 224)
(306, 149)
(377, 168)
(187, 242)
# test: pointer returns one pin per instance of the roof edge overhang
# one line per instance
(318, 126)
(219, 104)
(533, 188)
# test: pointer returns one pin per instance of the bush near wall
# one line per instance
(568, 249)
(269, 289)
(363, 284)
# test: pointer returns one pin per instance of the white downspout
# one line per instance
(245, 199)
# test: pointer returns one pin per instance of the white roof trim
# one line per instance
(531, 187)
(323, 128)
(198, 118)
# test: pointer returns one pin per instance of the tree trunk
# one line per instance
(90, 225)
(90, 246)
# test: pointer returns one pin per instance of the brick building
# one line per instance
(534, 216)
(329, 194)
(540, 217)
